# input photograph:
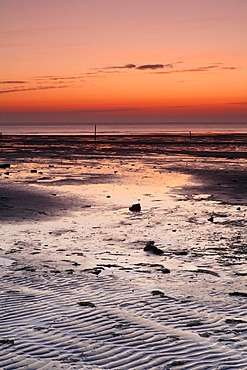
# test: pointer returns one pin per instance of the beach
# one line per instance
(78, 290)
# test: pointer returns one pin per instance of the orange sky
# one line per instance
(129, 60)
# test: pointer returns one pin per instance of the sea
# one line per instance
(120, 128)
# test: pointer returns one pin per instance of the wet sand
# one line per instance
(77, 289)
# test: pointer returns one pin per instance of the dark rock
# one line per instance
(181, 253)
(135, 207)
(194, 323)
(109, 265)
(7, 341)
(27, 268)
(158, 293)
(235, 321)
(33, 171)
(165, 270)
(70, 271)
(177, 363)
(211, 219)
(75, 263)
(150, 247)
(238, 294)
(149, 264)
(206, 334)
(94, 270)
(5, 165)
(86, 304)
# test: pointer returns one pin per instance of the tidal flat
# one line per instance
(78, 290)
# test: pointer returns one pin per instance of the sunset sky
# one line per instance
(123, 60)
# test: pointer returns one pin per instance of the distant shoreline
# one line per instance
(118, 129)
(150, 134)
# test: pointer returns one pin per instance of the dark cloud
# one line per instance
(57, 78)
(31, 89)
(228, 68)
(211, 67)
(172, 65)
(126, 66)
(12, 82)
(45, 82)
(130, 66)
(41, 78)
(64, 78)
(144, 67)
(200, 69)
(168, 68)
(196, 69)
(55, 81)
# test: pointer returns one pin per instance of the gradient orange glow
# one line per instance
(133, 60)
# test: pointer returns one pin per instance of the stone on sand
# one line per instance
(150, 247)
(135, 207)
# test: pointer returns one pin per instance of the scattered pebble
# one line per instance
(150, 247)
(135, 207)
(86, 304)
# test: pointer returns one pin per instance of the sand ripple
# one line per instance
(128, 329)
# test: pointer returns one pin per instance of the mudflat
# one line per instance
(78, 290)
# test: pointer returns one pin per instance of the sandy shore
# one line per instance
(78, 291)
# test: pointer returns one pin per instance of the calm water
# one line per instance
(118, 129)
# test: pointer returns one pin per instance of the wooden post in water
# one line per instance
(190, 135)
(95, 130)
